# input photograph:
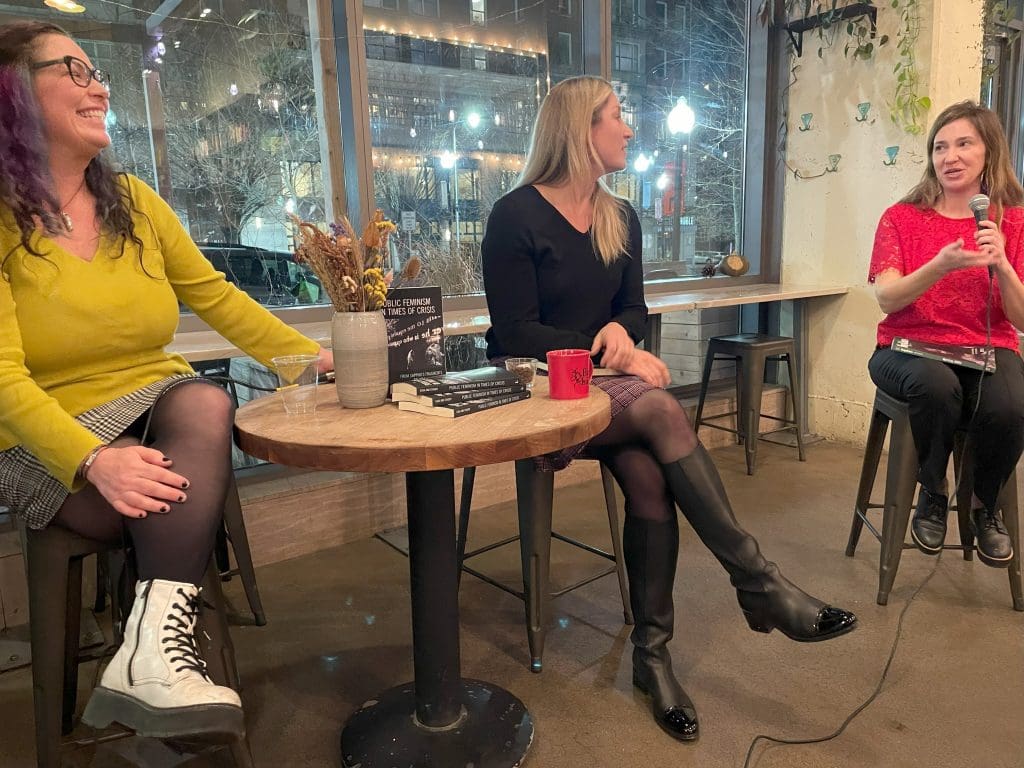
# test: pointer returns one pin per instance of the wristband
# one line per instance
(83, 468)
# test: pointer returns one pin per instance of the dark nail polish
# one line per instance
(181, 498)
(184, 485)
(166, 459)
(141, 516)
(165, 509)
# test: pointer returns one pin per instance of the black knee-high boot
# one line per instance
(651, 550)
(767, 598)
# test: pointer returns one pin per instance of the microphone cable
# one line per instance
(874, 694)
(989, 353)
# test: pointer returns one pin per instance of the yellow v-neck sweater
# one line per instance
(77, 334)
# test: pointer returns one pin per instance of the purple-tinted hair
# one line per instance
(26, 186)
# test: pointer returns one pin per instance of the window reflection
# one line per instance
(452, 102)
(686, 185)
(214, 106)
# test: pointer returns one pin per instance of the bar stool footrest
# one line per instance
(555, 535)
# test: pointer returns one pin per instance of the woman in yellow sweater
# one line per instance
(101, 429)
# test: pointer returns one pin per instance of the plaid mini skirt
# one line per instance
(623, 392)
(31, 492)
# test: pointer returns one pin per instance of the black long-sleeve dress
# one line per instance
(548, 289)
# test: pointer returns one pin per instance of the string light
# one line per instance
(64, 6)
(498, 47)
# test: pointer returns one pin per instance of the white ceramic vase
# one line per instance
(360, 344)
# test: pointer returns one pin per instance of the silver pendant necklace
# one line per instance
(65, 219)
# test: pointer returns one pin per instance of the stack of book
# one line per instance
(459, 394)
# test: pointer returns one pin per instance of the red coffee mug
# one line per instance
(569, 373)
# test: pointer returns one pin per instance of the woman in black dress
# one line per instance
(562, 269)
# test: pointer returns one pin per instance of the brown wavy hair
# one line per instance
(26, 186)
(998, 179)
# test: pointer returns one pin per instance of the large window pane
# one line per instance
(214, 105)
(452, 103)
(688, 184)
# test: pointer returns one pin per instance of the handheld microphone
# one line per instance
(979, 207)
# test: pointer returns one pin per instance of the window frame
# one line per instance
(618, 58)
(478, 16)
(422, 4)
(661, 12)
(564, 46)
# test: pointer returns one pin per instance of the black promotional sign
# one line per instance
(415, 333)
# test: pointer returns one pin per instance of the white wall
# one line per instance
(830, 221)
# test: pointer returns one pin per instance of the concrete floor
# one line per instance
(339, 633)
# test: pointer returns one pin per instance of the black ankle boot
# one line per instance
(768, 599)
(650, 551)
(928, 529)
(993, 540)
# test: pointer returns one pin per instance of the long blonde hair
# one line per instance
(998, 180)
(561, 153)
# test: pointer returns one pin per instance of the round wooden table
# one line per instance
(439, 719)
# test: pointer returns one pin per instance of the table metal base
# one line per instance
(494, 731)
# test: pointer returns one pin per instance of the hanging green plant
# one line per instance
(826, 19)
(861, 43)
(909, 106)
(997, 31)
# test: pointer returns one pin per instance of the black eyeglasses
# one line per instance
(81, 73)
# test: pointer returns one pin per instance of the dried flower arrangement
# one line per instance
(349, 267)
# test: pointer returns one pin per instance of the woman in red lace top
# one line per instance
(941, 277)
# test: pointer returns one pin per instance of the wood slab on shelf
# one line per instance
(736, 295)
(196, 346)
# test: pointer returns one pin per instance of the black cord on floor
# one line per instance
(989, 353)
(874, 694)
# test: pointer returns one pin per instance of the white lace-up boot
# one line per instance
(156, 684)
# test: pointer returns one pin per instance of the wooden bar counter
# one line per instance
(440, 718)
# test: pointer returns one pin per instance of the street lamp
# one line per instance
(680, 122)
(641, 165)
(451, 161)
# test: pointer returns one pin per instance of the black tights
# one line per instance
(191, 425)
(652, 431)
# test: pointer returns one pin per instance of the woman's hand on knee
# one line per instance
(617, 345)
(136, 480)
(649, 368)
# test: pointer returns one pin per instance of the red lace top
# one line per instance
(953, 310)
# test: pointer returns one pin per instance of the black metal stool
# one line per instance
(233, 532)
(751, 352)
(535, 536)
(53, 560)
(900, 482)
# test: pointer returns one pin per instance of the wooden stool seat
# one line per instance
(751, 353)
(900, 483)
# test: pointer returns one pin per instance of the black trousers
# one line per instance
(942, 398)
